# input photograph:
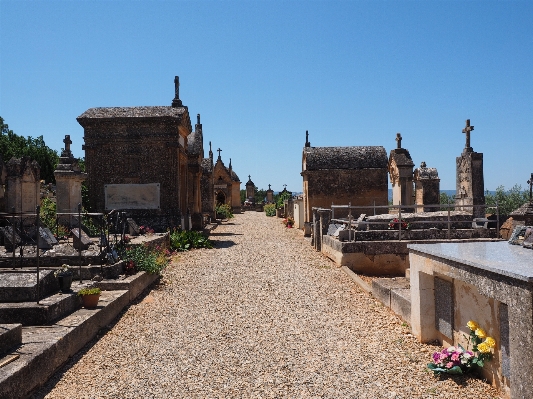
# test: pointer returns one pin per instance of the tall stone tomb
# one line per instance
(23, 185)
(343, 175)
(149, 162)
(69, 178)
(269, 195)
(401, 175)
(250, 190)
(227, 185)
(427, 188)
(470, 186)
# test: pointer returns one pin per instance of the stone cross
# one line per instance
(530, 182)
(269, 186)
(219, 151)
(249, 177)
(467, 131)
(67, 142)
(307, 143)
(399, 140)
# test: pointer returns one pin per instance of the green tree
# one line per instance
(259, 195)
(507, 201)
(13, 145)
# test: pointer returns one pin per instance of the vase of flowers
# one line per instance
(457, 360)
(64, 278)
(395, 224)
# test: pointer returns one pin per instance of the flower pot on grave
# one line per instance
(90, 301)
(65, 281)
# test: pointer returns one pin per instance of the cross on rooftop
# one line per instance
(67, 142)
(269, 186)
(467, 130)
(284, 186)
(399, 140)
(530, 182)
(219, 151)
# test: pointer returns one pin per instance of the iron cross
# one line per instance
(219, 151)
(467, 130)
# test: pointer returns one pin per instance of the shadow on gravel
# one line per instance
(45, 389)
(223, 244)
(226, 234)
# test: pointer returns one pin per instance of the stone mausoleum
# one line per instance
(342, 175)
(148, 162)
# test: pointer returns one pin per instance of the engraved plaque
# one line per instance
(132, 196)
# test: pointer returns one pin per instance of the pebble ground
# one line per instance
(262, 315)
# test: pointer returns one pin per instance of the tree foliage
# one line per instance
(507, 201)
(13, 145)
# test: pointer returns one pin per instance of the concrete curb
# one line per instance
(358, 280)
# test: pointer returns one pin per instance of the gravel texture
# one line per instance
(260, 316)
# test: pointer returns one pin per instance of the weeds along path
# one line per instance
(262, 315)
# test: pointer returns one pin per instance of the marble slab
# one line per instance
(497, 257)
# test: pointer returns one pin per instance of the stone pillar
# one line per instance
(270, 195)
(23, 185)
(325, 218)
(250, 190)
(401, 175)
(69, 178)
(470, 185)
(427, 188)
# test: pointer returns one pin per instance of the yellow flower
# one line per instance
(480, 333)
(472, 325)
(490, 342)
(483, 348)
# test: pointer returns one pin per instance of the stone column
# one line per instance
(69, 178)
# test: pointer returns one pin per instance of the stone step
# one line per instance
(46, 311)
(10, 337)
(135, 284)
(21, 285)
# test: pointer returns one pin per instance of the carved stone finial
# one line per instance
(467, 131)
(422, 164)
(198, 119)
(398, 140)
(230, 163)
(269, 187)
(177, 102)
(307, 143)
(249, 178)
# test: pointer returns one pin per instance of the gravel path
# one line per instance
(260, 316)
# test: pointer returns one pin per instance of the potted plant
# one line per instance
(64, 277)
(90, 296)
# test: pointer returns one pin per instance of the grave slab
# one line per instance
(21, 285)
(84, 241)
(381, 288)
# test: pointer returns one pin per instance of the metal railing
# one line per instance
(351, 221)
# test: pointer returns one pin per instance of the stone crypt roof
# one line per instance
(356, 157)
(132, 112)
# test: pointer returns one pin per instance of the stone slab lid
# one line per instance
(356, 157)
(401, 157)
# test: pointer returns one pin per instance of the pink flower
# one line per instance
(455, 357)
(449, 365)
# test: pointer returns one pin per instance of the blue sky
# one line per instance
(261, 73)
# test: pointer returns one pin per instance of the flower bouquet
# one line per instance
(457, 360)
(394, 224)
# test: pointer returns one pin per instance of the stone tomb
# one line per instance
(488, 282)
(21, 286)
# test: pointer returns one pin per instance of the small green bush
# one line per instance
(89, 291)
(224, 211)
(184, 240)
(270, 209)
(150, 260)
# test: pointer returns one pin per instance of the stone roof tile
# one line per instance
(132, 112)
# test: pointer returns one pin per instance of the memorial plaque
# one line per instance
(504, 340)
(518, 235)
(133, 227)
(528, 238)
(332, 229)
(84, 241)
(132, 196)
(444, 307)
(46, 238)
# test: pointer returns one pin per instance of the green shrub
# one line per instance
(224, 211)
(270, 209)
(183, 240)
(507, 201)
(144, 258)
